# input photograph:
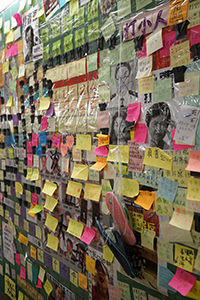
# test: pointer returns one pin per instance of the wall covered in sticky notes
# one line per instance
(99, 126)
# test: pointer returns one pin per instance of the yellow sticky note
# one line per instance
(82, 281)
(44, 103)
(11, 153)
(80, 172)
(49, 188)
(130, 187)
(10, 37)
(75, 228)
(90, 265)
(41, 274)
(50, 203)
(23, 239)
(48, 287)
(193, 192)
(38, 232)
(98, 166)
(197, 260)
(10, 102)
(182, 218)
(92, 191)
(184, 257)
(145, 199)
(146, 85)
(10, 287)
(156, 157)
(56, 265)
(52, 242)
(36, 209)
(40, 255)
(73, 277)
(51, 222)
(163, 207)
(180, 54)
(83, 141)
(6, 67)
(74, 188)
(35, 175)
(33, 252)
(18, 188)
(29, 173)
(106, 186)
(20, 296)
(147, 239)
(118, 153)
(194, 293)
(107, 254)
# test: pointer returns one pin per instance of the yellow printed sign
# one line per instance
(82, 281)
(33, 252)
(92, 191)
(156, 157)
(10, 287)
(74, 188)
(75, 228)
(180, 54)
(44, 103)
(35, 175)
(56, 265)
(48, 287)
(107, 254)
(51, 222)
(103, 140)
(73, 277)
(130, 187)
(178, 10)
(23, 239)
(184, 257)
(193, 192)
(50, 203)
(18, 188)
(83, 141)
(118, 153)
(80, 172)
(49, 188)
(52, 242)
(90, 265)
(29, 173)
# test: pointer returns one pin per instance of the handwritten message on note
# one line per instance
(165, 251)
(139, 294)
(167, 189)
(83, 142)
(75, 228)
(165, 276)
(182, 218)
(193, 13)
(177, 11)
(154, 41)
(88, 235)
(169, 40)
(193, 192)
(124, 290)
(156, 157)
(180, 54)
(146, 85)
(182, 281)
(114, 292)
(147, 239)
(92, 191)
(190, 87)
(74, 188)
(163, 90)
(194, 161)
(184, 257)
(144, 67)
(163, 207)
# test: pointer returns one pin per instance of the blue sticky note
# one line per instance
(164, 277)
(43, 138)
(39, 151)
(35, 274)
(167, 189)
(36, 96)
(26, 89)
(13, 140)
(7, 140)
(21, 139)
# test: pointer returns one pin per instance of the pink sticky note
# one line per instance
(179, 147)
(34, 198)
(9, 52)
(140, 133)
(182, 281)
(194, 35)
(39, 284)
(22, 272)
(34, 139)
(169, 40)
(44, 123)
(101, 151)
(14, 49)
(18, 19)
(56, 141)
(142, 53)
(28, 146)
(30, 160)
(17, 258)
(133, 112)
(88, 235)
(114, 292)
(1, 198)
(49, 111)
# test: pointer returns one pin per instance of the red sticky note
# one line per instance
(56, 140)
(39, 284)
(44, 123)
(22, 272)
(34, 139)
(18, 19)
(28, 146)
(88, 235)
(140, 133)
(133, 112)
(30, 160)
(17, 258)
(194, 35)
(169, 40)
(182, 281)
(34, 198)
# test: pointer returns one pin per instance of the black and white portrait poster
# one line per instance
(30, 33)
(50, 7)
(60, 292)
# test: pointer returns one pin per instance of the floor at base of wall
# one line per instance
(2, 297)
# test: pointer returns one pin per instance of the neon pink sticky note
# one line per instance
(34, 198)
(39, 284)
(30, 160)
(17, 258)
(101, 151)
(34, 139)
(182, 281)
(22, 272)
(14, 49)
(18, 19)
(44, 123)
(28, 146)
(1, 198)
(56, 141)
(49, 111)
(133, 112)
(9, 52)
(169, 40)
(140, 133)
(194, 35)
(179, 147)
(88, 235)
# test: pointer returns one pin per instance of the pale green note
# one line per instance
(46, 53)
(55, 27)
(12, 86)
(127, 51)
(68, 43)
(45, 35)
(79, 17)
(67, 23)
(92, 10)
(14, 72)
(56, 48)
(142, 3)
(163, 90)
(108, 29)
(92, 62)
(79, 37)
(115, 55)
(104, 75)
(104, 57)
(124, 8)
(93, 31)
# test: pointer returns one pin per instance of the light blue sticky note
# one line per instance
(43, 138)
(164, 277)
(21, 139)
(167, 189)
(39, 151)
(7, 140)
(35, 274)
(13, 140)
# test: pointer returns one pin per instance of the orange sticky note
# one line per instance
(82, 281)
(90, 265)
(194, 161)
(145, 199)
(33, 252)
(178, 10)
(23, 239)
(31, 214)
(103, 140)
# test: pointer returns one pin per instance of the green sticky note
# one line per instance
(67, 23)
(123, 8)
(12, 86)
(127, 51)
(80, 37)
(163, 90)
(14, 73)
(73, 7)
(104, 75)
(142, 3)
(46, 53)
(115, 55)
(93, 31)
(45, 35)
(104, 57)
(92, 10)
(108, 29)
(68, 43)
(92, 62)
(79, 17)
(56, 48)
(55, 27)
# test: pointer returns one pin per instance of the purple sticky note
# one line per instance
(21, 222)
(15, 120)
(49, 111)
(64, 271)
(32, 228)
(18, 178)
(47, 260)
(12, 216)
(23, 211)
(13, 191)
(23, 196)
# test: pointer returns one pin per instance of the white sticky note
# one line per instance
(6, 26)
(154, 42)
